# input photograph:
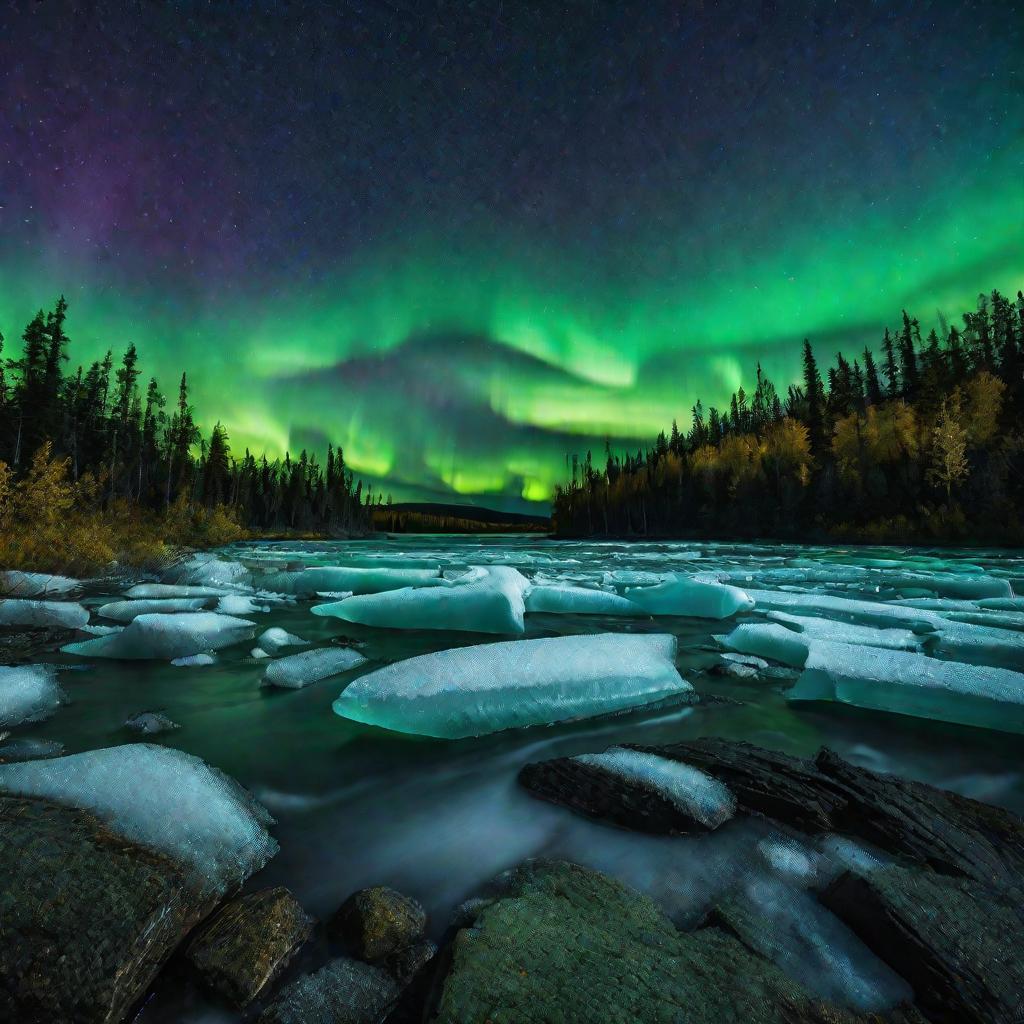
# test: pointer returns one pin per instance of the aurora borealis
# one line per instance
(464, 239)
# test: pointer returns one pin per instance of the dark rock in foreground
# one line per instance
(344, 992)
(565, 943)
(949, 833)
(959, 943)
(150, 723)
(249, 942)
(86, 918)
(378, 922)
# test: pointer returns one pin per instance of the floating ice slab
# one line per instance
(299, 670)
(491, 604)
(967, 587)
(240, 604)
(866, 613)
(14, 583)
(208, 570)
(907, 683)
(125, 611)
(145, 591)
(686, 596)
(307, 582)
(161, 798)
(697, 794)
(849, 633)
(194, 661)
(274, 639)
(165, 637)
(561, 598)
(768, 640)
(472, 691)
(28, 693)
(980, 645)
(20, 612)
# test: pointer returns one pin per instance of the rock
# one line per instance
(344, 992)
(565, 943)
(403, 964)
(249, 942)
(374, 923)
(957, 941)
(149, 723)
(86, 917)
(950, 833)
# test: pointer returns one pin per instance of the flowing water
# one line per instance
(357, 806)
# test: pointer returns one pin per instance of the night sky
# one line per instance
(463, 239)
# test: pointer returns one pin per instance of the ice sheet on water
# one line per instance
(472, 691)
(163, 799)
(14, 583)
(491, 604)
(275, 638)
(307, 582)
(16, 611)
(165, 637)
(205, 569)
(146, 591)
(125, 611)
(867, 613)
(697, 794)
(241, 604)
(299, 670)
(28, 693)
(194, 661)
(908, 683)
(980, 645)
(967, 587)
(561, 598)
(848, 632)
(768, 640)
(683, 595)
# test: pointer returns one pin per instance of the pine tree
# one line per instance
(814, 394)
(892, 376)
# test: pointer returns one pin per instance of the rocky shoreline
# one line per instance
(90, 918)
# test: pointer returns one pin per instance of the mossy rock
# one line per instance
(375, 923)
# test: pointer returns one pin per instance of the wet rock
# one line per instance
(86, 917)
(957, 941)
(344, 992)
(249, 942)
(565, 943)
(150, 723)
(405, 963)
(375, 923)
(949, 833)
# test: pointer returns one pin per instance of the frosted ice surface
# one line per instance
(697, 794)
(907, 683)
(240, 604)
(97, 630)
(206, 569)
(165, 637)
(867, 613)
(125, 611)
(579, 601)
(980, 645)
(472, 691)
(492, 604)
(768, 640)
(163, 799)
(686, 596)
(947, 585)
(299, 670)
(145, 591)
(14, 583)
(28, 693)
(307, 582)
(21, 612)
(849, 633)
(194, 661)
(273, 639)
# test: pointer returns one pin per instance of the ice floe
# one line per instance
(272, 640)
(299, 670)
(16, 611)
(166, 637)
(696, 598)
(28, 693)
(562, 598)
(163, 799)
(307, 582)
(14, 583)
(472, 691)
(493, 603)
(125, 611)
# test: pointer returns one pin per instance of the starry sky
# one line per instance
(463, 239)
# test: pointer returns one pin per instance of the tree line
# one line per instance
(121, 442)
(920, 440)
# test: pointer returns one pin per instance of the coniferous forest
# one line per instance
(98, 461)
(921, 441)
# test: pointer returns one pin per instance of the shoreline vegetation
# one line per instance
(921, 443)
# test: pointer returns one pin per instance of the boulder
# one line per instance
(561, 942)
(375, 923)
(87, 918)
(957, 941)
(249, 942)
(344, 992)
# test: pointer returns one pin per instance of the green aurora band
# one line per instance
(468, 370)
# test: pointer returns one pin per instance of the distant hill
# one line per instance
(431, 517)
